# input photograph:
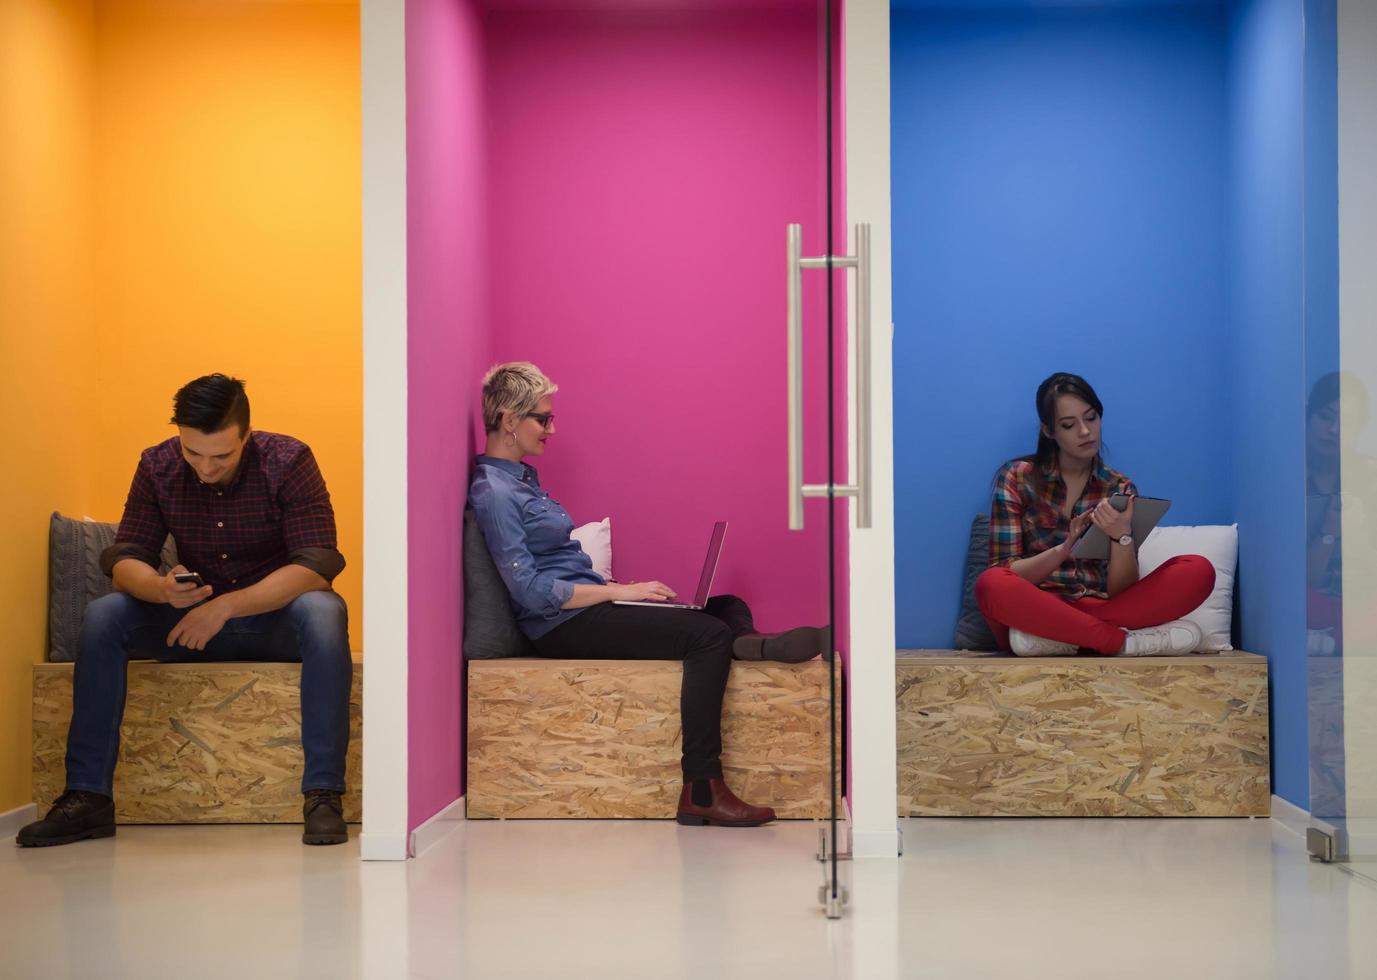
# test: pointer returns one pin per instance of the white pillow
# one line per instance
(1218, 543)
(596, 541)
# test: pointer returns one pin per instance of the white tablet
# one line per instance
(1147, 512)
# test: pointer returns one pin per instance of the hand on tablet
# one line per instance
(1114, 523)
(1079, 525)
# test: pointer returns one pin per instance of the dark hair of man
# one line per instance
(211, 404)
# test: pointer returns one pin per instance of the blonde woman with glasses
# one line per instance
(567, 611)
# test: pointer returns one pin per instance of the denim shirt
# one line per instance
(527, 534)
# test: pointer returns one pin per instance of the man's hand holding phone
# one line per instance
(182, 589)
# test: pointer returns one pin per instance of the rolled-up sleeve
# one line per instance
(142, 529)
(1006, 519)
(308, 520)
(499, 518)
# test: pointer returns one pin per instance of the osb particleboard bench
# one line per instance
(998, 735)
(601, 738)
(200, 742)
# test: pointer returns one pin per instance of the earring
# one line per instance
(510, 439)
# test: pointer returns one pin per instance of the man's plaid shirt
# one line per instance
(1025, 522)
(275, 512)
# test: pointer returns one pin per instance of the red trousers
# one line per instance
(1007, 600)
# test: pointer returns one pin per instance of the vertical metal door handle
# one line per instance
(795, 357)
(862, 366)
(861, 489)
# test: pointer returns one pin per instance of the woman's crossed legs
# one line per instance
(1008, 600)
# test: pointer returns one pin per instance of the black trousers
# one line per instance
(702, 640)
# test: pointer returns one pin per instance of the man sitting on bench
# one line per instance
(255, 536)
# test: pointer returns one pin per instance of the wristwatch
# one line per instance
(1126, 540)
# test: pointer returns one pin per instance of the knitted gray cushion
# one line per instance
(75, 578)
(490, 629)
(972, 631)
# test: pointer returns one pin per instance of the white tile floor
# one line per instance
(971, 898)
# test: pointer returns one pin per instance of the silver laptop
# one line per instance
(700, 598)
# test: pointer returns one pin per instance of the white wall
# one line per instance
(874, 790)
(383, 30)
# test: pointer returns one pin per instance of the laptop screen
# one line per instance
(719, 533)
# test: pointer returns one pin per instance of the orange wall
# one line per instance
(179, 194)
(228, 231)
(47, 341)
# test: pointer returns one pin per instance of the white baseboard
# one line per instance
(875, 844)
(1289, 816)
(11, 822)
(437, 828)
(382, 847)
(871, 843)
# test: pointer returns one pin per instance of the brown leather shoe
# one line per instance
(726, 809)
(323, 814)
(75, 815)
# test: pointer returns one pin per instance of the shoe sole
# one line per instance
(686, 821)
(321, 839)
(92, 834)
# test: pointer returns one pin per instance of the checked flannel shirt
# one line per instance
(275, 512)
(1025, 522)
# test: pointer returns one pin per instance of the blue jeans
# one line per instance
(313, 631)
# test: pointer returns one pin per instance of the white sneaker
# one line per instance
(1172, 639)
(1028, 645)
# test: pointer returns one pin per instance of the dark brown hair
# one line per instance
(1061, 383)
(211, 403)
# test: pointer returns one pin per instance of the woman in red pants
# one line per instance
(1038, 599)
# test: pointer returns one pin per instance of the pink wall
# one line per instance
(449, 347)
(643, 166)
(605, 192)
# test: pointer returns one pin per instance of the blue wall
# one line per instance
(1325, 721)
(1060, 203)
(1122, 190)
(1266, 48)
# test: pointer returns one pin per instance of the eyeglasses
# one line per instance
(546, 419)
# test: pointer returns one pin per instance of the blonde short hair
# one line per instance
(515, 387)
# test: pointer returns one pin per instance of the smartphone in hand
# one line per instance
(189, 578)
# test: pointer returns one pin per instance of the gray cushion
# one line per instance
(972, 631)
(490, 629)
(75, 578)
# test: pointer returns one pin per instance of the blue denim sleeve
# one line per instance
(499, 518)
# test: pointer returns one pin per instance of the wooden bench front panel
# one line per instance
(200, 743)
(985, 735)
(575, 738)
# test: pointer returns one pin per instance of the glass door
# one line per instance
(650, 166)
(819, 344)
(1340, 435)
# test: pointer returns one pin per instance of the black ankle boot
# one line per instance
(75, 815)
(323, 813)
(791, 647)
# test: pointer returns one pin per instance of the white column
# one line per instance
(874, 784)
(383, 35)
